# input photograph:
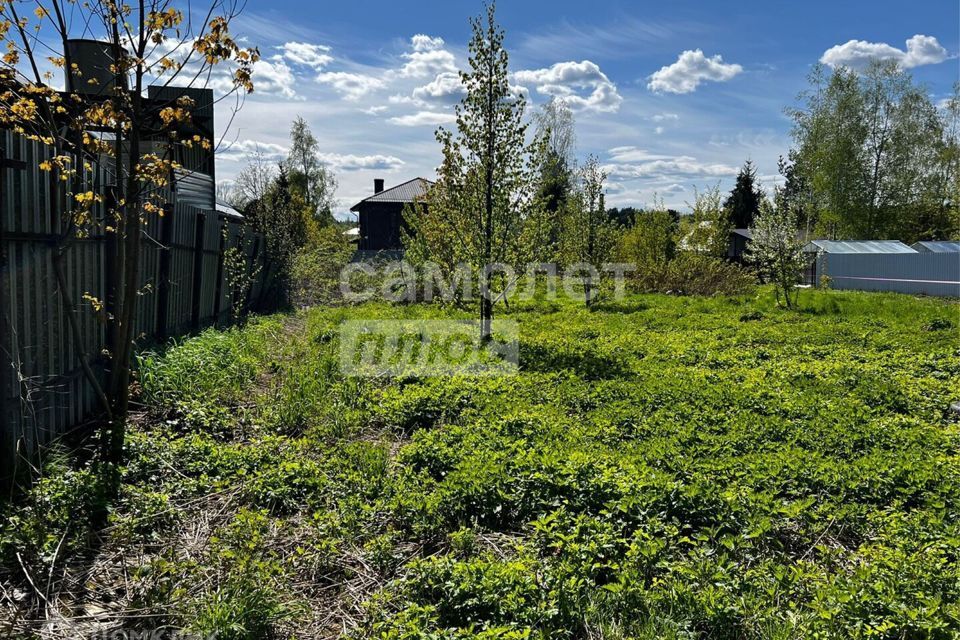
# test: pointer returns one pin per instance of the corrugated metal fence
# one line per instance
(185, 285)
(932, 274)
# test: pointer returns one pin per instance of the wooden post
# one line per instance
(198, 247)
(218, 294)
(253, 267)
(163, 275)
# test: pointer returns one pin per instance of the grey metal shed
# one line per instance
(883, 265)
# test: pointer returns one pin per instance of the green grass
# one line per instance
(661, 467)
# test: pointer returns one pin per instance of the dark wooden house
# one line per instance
(737, 244)
(381, 215)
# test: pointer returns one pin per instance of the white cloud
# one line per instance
(423, 42)
(428, 58)
(634, 154)
(628, 163)
(270, 76)
(446, 88)
(273, 78)
(311, 55)
(673, 188)
(375, 110)
(564, 79)
(350, 162)
(352, 85)
(243, 150)
(690, 69)
(658, 130)
(857, 54)
(613, 187)
(422, 118)
(663, 117)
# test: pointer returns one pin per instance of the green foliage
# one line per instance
(709, 226)
(241, 604)
(310, 178)
(693, 274)
(874, 157)
(589, 236)
(291, 206)
(650, 244)
(556, 179)
(651, 240)
(316, 267)
(199, 379)
(239, 271)
(482, 210)
(777, 250)
(53, 520)
(665, 467)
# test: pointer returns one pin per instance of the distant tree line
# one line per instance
(874, 157)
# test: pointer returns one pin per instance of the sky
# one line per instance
(668, 96)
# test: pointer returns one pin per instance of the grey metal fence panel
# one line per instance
(932, 274)
(43, 392)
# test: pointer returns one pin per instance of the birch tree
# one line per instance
(555, 127)
(589, 235)
(309, 175)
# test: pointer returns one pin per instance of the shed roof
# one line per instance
(937, 246)
(858, 246)
(748, 233)
(405, 192)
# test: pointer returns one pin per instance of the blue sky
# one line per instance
(668, 95)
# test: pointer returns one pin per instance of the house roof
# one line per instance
(227, 210)
(859, 246)
(937, 246)
(406, 192)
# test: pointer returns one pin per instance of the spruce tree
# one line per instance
(743, 204)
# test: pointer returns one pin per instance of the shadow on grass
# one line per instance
(581, 359)
(619, 306)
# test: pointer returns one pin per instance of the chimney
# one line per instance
(94, 73)
(377, 185)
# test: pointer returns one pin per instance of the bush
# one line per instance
(693, 274)
(316, 268)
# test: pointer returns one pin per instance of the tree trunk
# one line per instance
(128, 294)
(486, 302)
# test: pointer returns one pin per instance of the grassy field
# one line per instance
(661, 467)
